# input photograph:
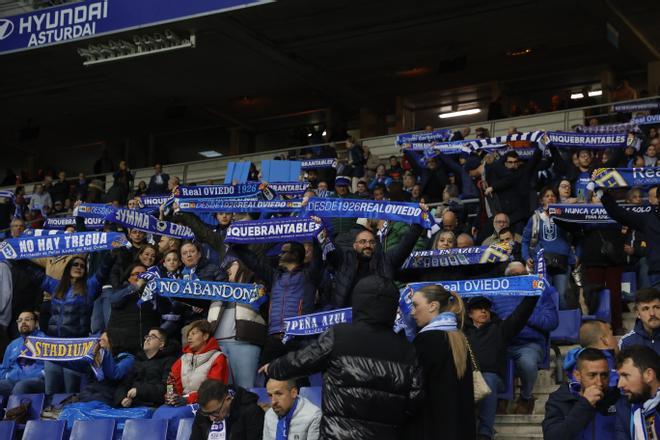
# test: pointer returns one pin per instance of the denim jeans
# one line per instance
(526, 358)
(488, 406)
(560, 282)
(642, 269)
(27, 386)
(243, 361)
(60, 379)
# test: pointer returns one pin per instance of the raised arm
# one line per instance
(306, 361)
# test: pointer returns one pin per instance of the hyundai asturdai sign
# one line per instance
(92, 18)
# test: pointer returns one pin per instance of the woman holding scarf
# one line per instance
(443, 354)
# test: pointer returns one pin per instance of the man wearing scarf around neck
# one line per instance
(638, 416)
(291, 416)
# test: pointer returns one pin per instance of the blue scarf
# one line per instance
(639, 414)
(93, 210)
(289, 188)
(445, 321)
(58, 349)
(225, 205)
(495, 253)
(240, 191)
(134, 219)
(152, 201)
(315, 323)
(625, 177)
(312, 164)
(636, 107)
(540, 268)
(282, 230)
(375, 209)
(647, 120)
(63, 222)
(608, 128)
(252, 294)
(590, 214)
(8, 195)
(60, 244)
(587, 140)
(283, 423)
(425, 138)
(41, 232)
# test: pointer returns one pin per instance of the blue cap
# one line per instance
(343, 181)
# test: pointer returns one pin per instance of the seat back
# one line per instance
(604, 311)
(36, 405)
(237, 172)
(316, 380)
(262, 394)
(101, 429)
(44, 429)
(57, 398)
(568, 329)
(280, 170)
(145, 429)
(184, 429)
(7, 429)
(313, 394)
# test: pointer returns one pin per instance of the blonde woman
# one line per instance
(443, 354)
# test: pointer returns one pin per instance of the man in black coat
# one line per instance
(145, 384)
(158, 182)
(432, 178)
(371, 377)
(489, 337)
(367, 258)
(233, 410)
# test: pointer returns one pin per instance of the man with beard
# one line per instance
(638, 416)
(290, 412)
(19, 375)
(647, 326)
(583, 409)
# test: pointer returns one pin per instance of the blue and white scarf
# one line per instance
(540, 267)
(152, 201)
(8, 195)
(312, 164)
(445, 321)
(208, 290)
(282, 230)
(588, 140)
(41, 232)
(590, 214)
(289, 188)
(636, 107)
(230, 205)
(447, 148)
(60, 244)
(93, 210)
(134, 219)
(376, 209)
(251, 190)
(523, 285)
(283, 423)
(495, 253)
(64, 222)
(646, 120)
(407, 140)
(639, 413)
(608, 128)
(531, 136)
(625, 177)
(315, 323)
(58, 349)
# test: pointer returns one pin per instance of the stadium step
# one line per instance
(507, 425)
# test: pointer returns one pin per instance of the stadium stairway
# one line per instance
(523, 427)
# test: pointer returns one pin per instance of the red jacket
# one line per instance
(218, 369)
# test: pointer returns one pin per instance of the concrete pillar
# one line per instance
(234, 141)
(653, 78)
(371, 123)
(405, 117)
(607, 84)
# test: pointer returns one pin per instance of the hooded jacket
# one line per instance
(569, 416)
(149, 377)
(13, 370)
(245, 420)
(639, 336)
(371, 378)
(191, 369)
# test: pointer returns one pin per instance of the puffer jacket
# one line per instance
(371, 378)
(383, 264)
(191, 369)
(13, 370)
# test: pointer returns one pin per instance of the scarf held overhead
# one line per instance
(242, 191)
(590, 214)
(588, 140)
(495, 253)
(224, 205)
(134, 219)
(263, 231)
(64, 222)
(315, 323)
(207, 290)
(58, 349)
(60, 244)
(625, 177)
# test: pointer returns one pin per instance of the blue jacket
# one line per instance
(623, 423)
(571, 360)
(569, 416)
(544, 319)
(14, 369)
(639, 336)
(551, 238)
(292, 293)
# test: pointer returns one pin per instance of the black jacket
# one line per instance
(155, 188)
(214, 238)
(453, 417)
(149, 377)
(431, 181)
(385, 264)
(245, 421)
(569, 416)
(371, 377)
(489, 342)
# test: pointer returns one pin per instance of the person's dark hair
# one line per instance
(197, 245)
(211, 389)
(31, 312)
(362, 182)
(127, 273)
(145, 247)
(646, 295)
(452, 190)
(298, 249)
(512, 154)
(547, 188)
(590, 355)
(202, 325)
(79, 287)
(504, 231)
(243, 274)
(642, 357)
(172, 251)
(162, 334)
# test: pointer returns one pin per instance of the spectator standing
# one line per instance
(40, 201)
(158, 183)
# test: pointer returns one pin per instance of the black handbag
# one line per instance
(556, 264)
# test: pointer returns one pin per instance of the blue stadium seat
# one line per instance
(145, 429)
(507, 393)
(101, 429)
(262, 394)
(316, 380)
(2, 402)
(237, 172)
(56, 399)
(313, 394)
(280, 170)
(184, 430)
(7, 429)
(36, 405)
(44, 429)
(569, 327)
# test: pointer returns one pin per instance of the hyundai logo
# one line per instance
(6, 28)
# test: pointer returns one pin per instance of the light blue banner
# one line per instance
(60, 244)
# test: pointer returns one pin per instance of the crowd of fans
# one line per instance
(170, 354)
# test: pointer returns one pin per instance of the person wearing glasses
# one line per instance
(227, 412)
(22, 376)
(145, 384)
